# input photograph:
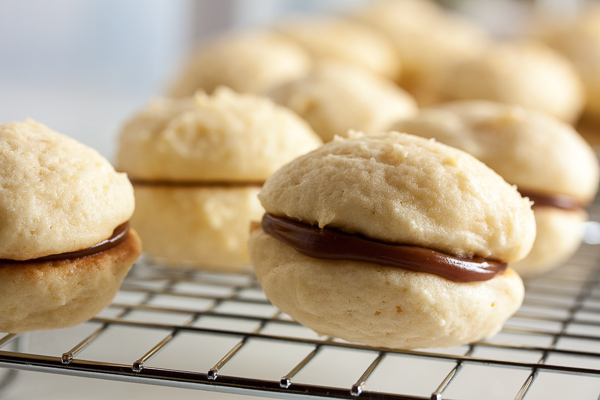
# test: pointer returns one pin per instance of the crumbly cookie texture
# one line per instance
(381, 306)
(530, 149)
(337, 97)
(527, 73)
(226, 136)
(56, 195)
(251, 61)
(405, 189)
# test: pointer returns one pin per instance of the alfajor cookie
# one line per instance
(65, 242)
(250, 61)
(393, 241)
(545, 158)
(526, 73)
(336, 97)
(197, 164)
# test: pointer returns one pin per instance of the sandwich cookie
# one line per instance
(392, 240)
(197, 164)
(65, 241)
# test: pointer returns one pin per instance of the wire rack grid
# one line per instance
(218, 332)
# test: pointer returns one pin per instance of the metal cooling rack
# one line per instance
(218, 332)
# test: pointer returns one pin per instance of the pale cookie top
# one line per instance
(336, 97)
(247, 61)
(346, 40)
(56, 195)
(401, 188)
(224, 137)
(527, 73)
(530, 149)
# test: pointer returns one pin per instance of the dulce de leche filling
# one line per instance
(556, 200)
(332, 244)
(118, 236)
(192, 184)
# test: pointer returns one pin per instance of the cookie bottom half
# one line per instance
(197, 227)
(559, 235)
(381, 306)
(60, 294)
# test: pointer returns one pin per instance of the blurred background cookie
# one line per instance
(345, 40)
(428, 38)
(525, 73)
(578, 39)
(336, 97)
(248, 61)
(197, 164)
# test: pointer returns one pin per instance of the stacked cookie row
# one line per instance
(371, 70)
(412, 239)
(376, 190)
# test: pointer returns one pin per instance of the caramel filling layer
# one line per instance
(557, 200)
(332, 244)
(192, 184)
(118, 236)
